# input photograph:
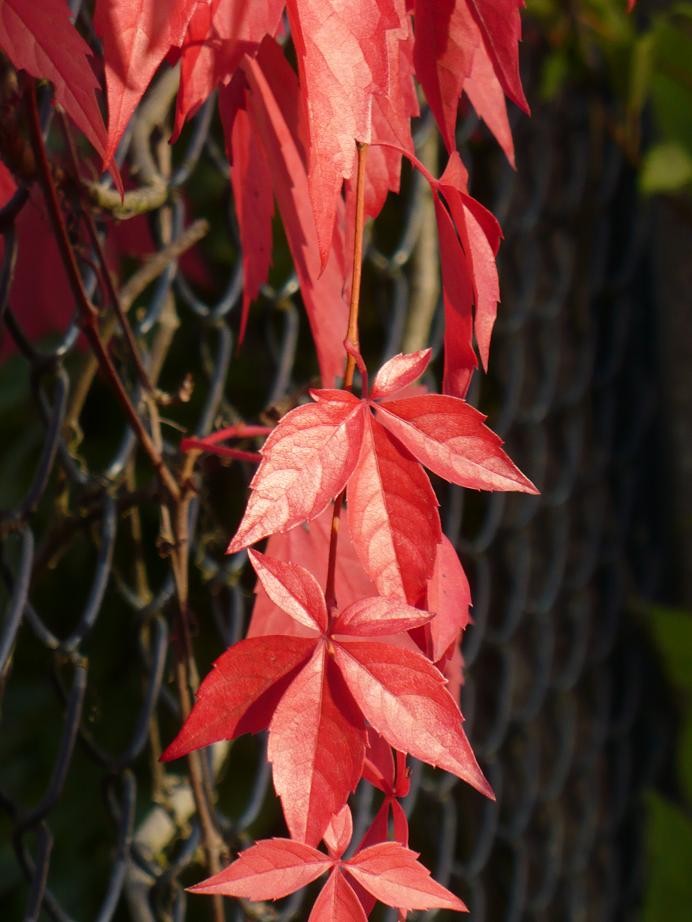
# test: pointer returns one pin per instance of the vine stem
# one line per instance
(174, 513)
(351, 345)
(87, 312)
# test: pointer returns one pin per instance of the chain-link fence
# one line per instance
(560, 690)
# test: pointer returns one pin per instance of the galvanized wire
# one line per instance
(556, 669)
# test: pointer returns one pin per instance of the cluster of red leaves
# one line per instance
(346, 685)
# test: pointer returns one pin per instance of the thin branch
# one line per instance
(87, 311)
(352, 348)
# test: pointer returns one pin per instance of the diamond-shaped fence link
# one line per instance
(560, 688)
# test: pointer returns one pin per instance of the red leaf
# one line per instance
(337, 902)
(457, 294)
(293, 589)
(444, 52)
(377, 617)
(243, 676)
(399, 372)
(392, 516)
(338, 833)
(40, 39)
(403, 696)
(274, 110)
(251, 180)
(306, 461)
(449, 597)
(218, 35)
(500, 25)
(485, 92)
(449, 437)
(268, 870)
(394, 876)
(136, 35)
(343, 57)
(308, 545)
(316, 747)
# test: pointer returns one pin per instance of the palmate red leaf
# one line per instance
(316, 747)
(219, 33)
(293, 589)
(343, 62)
(307, 461)
(450, 437)
(404, 698)
(136, 36)
(273, 106)
(40, 39)
(268, 870)
(392, 516)
(500, 26)
(393, 875)
(240, 693)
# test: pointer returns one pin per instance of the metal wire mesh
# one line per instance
(555, 668)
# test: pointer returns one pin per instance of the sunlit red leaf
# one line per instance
(450, 437)
(337, 902)
(338, 833)
(136, 36)
(500, 25)
(394, 876)
(241, 678)
(316, 747)
(404, 697)
(39, 38)
(307, 461)
(293, 589)
(268, 870)
(392, 516)
(378, 616)
(399, 372)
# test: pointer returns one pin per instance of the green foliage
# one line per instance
(649, 70)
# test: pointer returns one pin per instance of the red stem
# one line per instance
(352, 347)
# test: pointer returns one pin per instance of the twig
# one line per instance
(352, 346)
(87, 311)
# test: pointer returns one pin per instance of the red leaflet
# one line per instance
(251, 179)
(273, 107)
(449, 596)
(316, 747)
(500, 26)
(308, 545)
(218, 35)
(392, 516)
(485, 92)
(403, 696)
(241, 677)
(444, 51)
(343, 62)
(276, 867)
(268, 870)
(377, 617)
(306, 462)
(450, 437)
(136, 35)
(399, 372)
(40, 39)
(293, 589)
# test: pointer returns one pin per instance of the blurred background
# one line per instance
(578, 688)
